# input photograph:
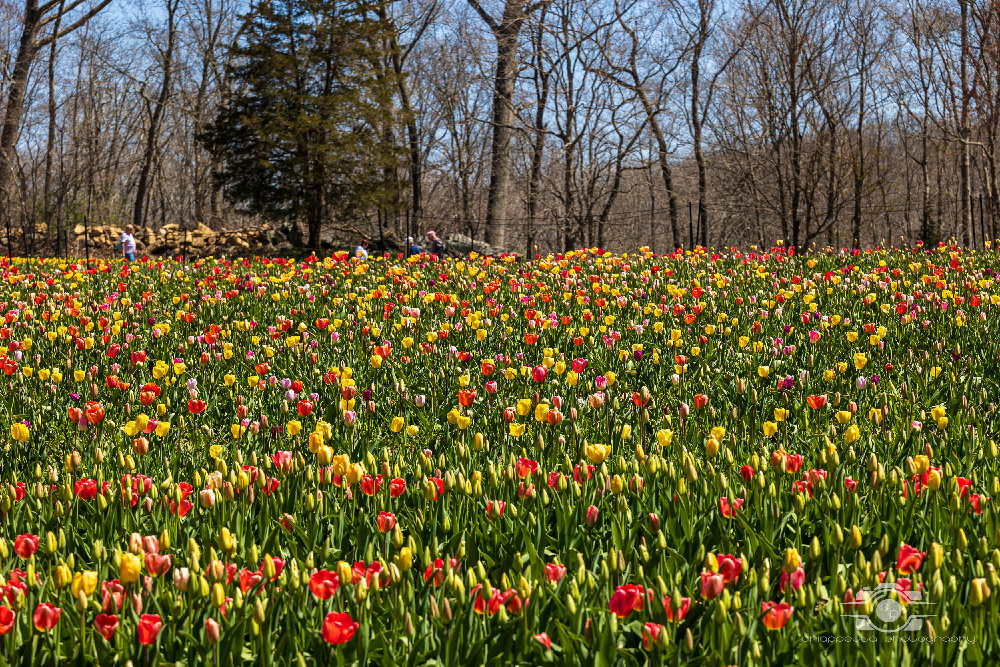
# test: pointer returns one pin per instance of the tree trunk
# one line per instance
(503, 121)
(964, 131)
(26, 52)
(696, 122)
(51, 138)
(152, 136)
(538, 146)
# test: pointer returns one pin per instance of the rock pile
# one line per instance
(460, 244)
(200, 240)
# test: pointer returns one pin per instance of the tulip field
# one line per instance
(719, 457)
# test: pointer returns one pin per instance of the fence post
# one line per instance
(690, 228)
(982, 221)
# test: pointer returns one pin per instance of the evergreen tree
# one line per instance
(302, 135)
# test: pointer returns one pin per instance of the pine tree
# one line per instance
(302, 135)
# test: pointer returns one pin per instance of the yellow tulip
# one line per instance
(860, 360)
(341, 462)
(84, 582)
(19, 432)
(129, 568)
(354, 473)
(596, 453)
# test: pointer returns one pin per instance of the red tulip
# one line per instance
(305, 408)
(196, 406)
(592, 513)
(538, 373)
(554, 572)
(909, 559)
(776, 615)
(112, 593)
(46, 616)
(283, 461)
(466, 397)
(729, 567)
(626, 599)
(106, 625)
(249, 580)
(370, 485)
(85, 489)
(211, 631)
(495, 508)
(746, 473)
(323, 584)
(157, 564)
(816, 402)
(149, 628)
(711, 585)
(526, 467)
(26, 545)
(7, 618)
(729, 510)
(700, 401)
(94, 412)
(543, 639)
(396, 487)
(579, 365)
(436, 570)
(796, 578)
(386, 521)
(676, 616)
(338, 628)
(650, 632)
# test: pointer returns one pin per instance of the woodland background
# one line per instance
(549, 124)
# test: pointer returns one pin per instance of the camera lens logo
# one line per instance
(889, 609)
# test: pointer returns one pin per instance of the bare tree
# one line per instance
(505, 31)
(35, 18)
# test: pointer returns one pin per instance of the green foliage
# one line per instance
(306, 133)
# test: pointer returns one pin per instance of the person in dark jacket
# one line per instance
(437, 245)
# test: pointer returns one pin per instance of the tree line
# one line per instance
(532, 125)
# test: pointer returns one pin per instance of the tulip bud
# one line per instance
(258, 612)
(856, 537)
(211, 631)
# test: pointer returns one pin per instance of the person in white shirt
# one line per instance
(361, 252)
(127, 243)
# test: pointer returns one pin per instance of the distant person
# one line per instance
(361, 252)
(411, 244)
(437, 245)
(127, 244)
